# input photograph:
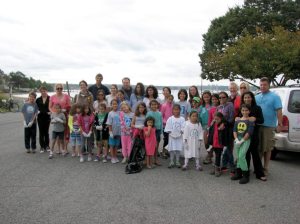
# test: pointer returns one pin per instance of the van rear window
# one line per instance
(294, 102)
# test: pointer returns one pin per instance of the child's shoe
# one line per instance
(184, 168)
(97, 158)
(50, 155)
(73, 154)
(218, 172)
(171, 165)
(89, 159)
(178, 165)
(199, 168)
(124, 160)
(81, 159)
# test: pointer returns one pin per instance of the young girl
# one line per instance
(30, 111)
(100, 99)
(242, 131)
(139, 119)
(214, 104)
(150, 140)
(158, 125)
(175, 127)
(192, 137)
(101, 132)
(166, 112)
(121, 98)
(217, 136)
(75, 136)
(86, 121)
(58, 120)
(113, 122)
(126, 118)
(182, 96)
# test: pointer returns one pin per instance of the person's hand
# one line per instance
(25, 124)
(30, 124)
(237, 142)
(63, 110)
(84, 134)
(111, 134)
(99, 127)
(59, 120)
(76, 130)
(252, 119)
(89, 134)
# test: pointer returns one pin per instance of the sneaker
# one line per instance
(199, 168)
(104, 160)
(124, 160)
(33, 151)
(171, 165)
(89, 159)
(224, 169)
(117, 160)
(184, 168)
(113, 161)
(178, 165)
(81, 159)
(27, 150)
(42, 151)
(50, 156)
(96, 159)
(48, 149)
(73, 154)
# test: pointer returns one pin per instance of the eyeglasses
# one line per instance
(59, 88)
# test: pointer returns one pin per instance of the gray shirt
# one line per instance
(113, 119)
(29, 110)
(58, 126)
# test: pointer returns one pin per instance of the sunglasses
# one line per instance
(59, 88)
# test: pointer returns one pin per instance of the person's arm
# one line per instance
(133, 122)
(259, 116)
(279, 118)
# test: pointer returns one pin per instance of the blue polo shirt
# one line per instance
(269, 102)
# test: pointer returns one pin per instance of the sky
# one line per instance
(155, 42)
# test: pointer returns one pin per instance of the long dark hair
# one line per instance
(142, 89)
(253, 102)
(149, 119)
(137, 112)
(208, 93)
(155, 92)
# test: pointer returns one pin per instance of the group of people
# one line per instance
(224, 124)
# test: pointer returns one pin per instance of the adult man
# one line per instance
(271, 106)
(96, 87)
(127, 88)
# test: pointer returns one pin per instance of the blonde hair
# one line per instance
(58, 84)
(124, 103)
(246, 85)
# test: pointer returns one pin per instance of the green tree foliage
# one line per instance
(19, 80)
(250, 41)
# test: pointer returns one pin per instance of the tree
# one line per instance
(257, 23)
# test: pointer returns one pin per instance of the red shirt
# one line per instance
(216, 137)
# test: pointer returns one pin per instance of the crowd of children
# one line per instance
(188, 126)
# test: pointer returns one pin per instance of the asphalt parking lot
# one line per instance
(34, 189)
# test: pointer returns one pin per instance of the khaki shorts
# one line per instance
(266, 139)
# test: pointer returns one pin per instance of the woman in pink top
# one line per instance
(65, 102)
(166, 112)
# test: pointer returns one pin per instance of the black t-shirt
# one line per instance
(94, 90)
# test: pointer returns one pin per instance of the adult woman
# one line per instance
(244, 87)
(227, 109)
(112, 95)
(151, 94)
(43, 118)
(257, 115)
(137, 96)
(65, 102)
(235, 98)
(100, 99)
(84, 97)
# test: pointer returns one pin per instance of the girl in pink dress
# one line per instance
(150, 140)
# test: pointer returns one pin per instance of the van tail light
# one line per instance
(285, 124)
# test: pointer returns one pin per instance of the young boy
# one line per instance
(30, 111)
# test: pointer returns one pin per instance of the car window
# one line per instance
(294, 102)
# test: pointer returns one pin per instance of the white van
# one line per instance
(289, 138)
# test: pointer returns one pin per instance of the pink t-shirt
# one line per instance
(211, 114)
(63, 101)
(166, 111)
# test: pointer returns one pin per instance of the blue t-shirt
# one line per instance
(269, 103)
(29, 110)
(113, 119)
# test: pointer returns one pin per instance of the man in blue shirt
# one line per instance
(271, 106)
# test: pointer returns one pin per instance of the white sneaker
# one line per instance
(117, 160)
(113, 161)
(81, 159)
(42, 151)
(124, 160)
(89, 159)
(73, 154)
(104, 160)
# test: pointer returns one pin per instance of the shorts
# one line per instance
(75, 139)
(266, 139)
(114, 142)
(158, 134)
(56, 134)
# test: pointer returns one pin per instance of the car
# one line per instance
(289, 137)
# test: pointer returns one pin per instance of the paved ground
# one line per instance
(34, 189)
